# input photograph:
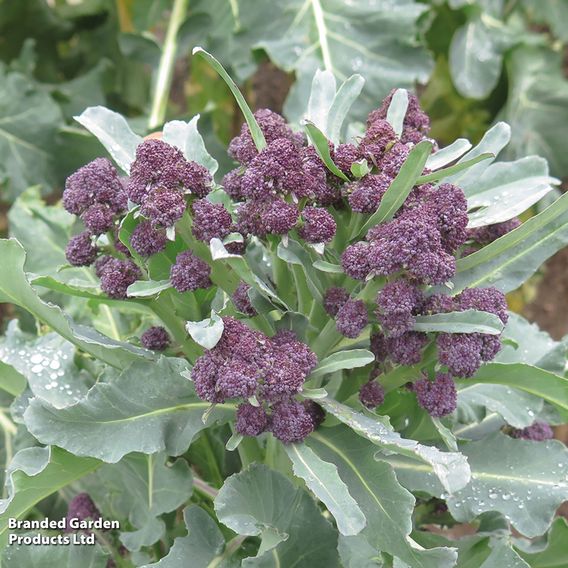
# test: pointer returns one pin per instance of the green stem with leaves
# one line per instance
(166, 66)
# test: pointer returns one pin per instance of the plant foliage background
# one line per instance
(86, 409)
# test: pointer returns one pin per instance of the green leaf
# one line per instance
(555, 554)
(468, 321)
(113, 132)
(507, 189)
(255, 131)
(29, 120)
(186, 137)
(503, 556)
(397, 110)
(360, 168)
(328, 267)
(321, 99)
(11, 380)
(401, 186)
(350, 359)
(523, 480)
(16, 289)
(204, 543)
(262, 502)
(148, 408)
(548, 386)
(507, 262)
(344, 99)
(67, 556)
(147, 288)
(323, 480)
(33, 475)
(447, 155)
(294, 253)
(207, 332)
(321, 145)
(451, 467)
(386, 505)
(453, 170)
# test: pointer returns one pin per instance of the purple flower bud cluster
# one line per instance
(80, 250)
(352, 318)
(160, 177)
(147, 240)
(242, 301)
(272, 216)
(319, 225)
(246, 363)
(538, 432)
(116, 276)
(210, 220)
(189, 272)
(334, 299)
(490, 233)
(366, 194)
(372, 394)
(155, 338)
(437, 397)
(81, 507)
(397, 305)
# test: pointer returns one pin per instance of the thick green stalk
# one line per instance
(166, 66)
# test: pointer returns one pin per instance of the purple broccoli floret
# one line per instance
(261, 218)
(345, 156)
(316, 412)
(189, 272)
(406, 349)
(236, 379)
(147, 240)
(372, 394)
(449, 205)
(485, 299)
(438, 304)
(378, 346)
(155, 338)
(232, 184)
(116, 276)
(538, 432)
(80, 250)
(334, 299)
(397, 305)
(319, 225)
(437, 397)
(378, 137)
(393, 160)
(210, 220)
(204, 376)
(352, 318)
(490, 233)
(367, 193)
(164, 207)
(460, 352)
(242, 300)
(356, 260)
(98, 218)
(81, 507)
(291, 422)
(251, 420)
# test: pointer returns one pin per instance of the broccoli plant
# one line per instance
(309, 362)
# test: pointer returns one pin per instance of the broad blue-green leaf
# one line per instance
(147, 288)
(451, 171)
(451, 467)
(447, 155)
(113, 133)
(350, 359)
(186, 137)
(503, 556)
(507, 262)
(60, 556)
(522, 479)
(262, 502)
(16, 289)
(507, 189)
(357, 552)
(321, 99)
(206, 332)
(148, 408)
(343, 101)
(204, 542)
(397, 110)
(387, 506)
(401, 186)
(320, 143)
(468, 321)
(33, 475)
(555, 552)
(324, 481)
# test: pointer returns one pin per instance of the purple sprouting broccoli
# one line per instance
(372, 394)
(538, 432)
(261, 218)
(232, 184)
(161, 166)
(251, 420)
(490, 233)
(210, 220)
(97, 182)
(485, 299)
(449, 206)
(242, 301)
(352, 318)
(393, 159)
(164, 207)
(319, 225)
(406, 349)
(397, 305)
(345, 155)
(437, 397)
(356, 260)
(189, 272)
(318, 183)
(204, 376)
(146, 240)
(378, 346)
(366, 194)
(273, 126)
(378, 137)
(100, 264)
(81, 507)
(438, 304)
(460, 352)
(155, 338)
(80, 250)
(237, 247)
(316, 412)
(98, 218)
(236, 379)
(116, 276)
(334, 299)
(291, 422)
(299, 353)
